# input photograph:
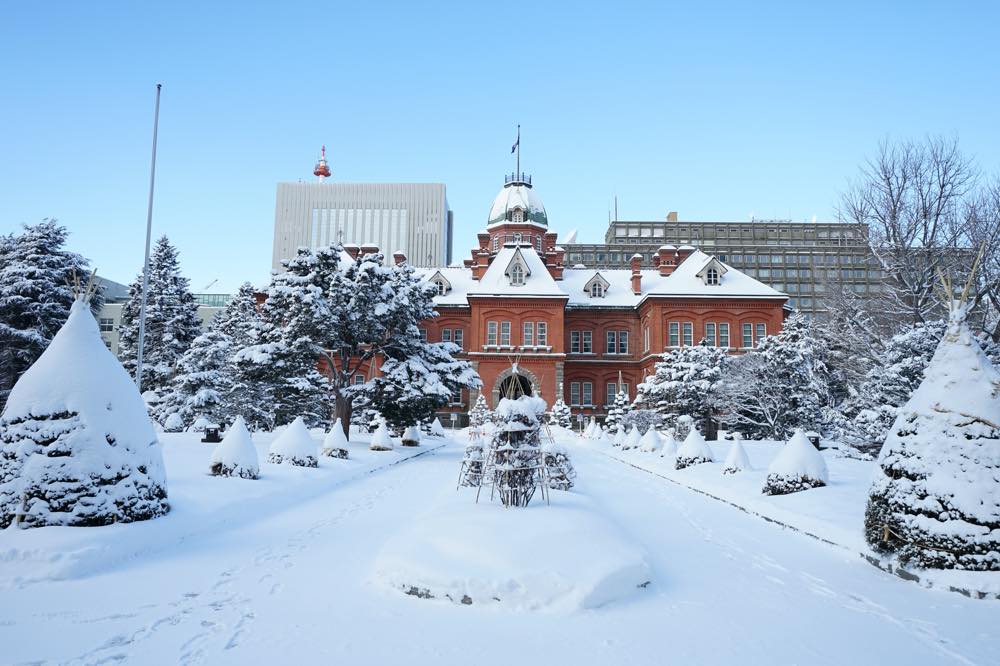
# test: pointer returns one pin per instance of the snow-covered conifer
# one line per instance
(632, 439)
(684, 384)
(558, 466)
(36, 275)
(693, 451)
(294, 446)
(471, 474)
(198, 390)
(650, 442)
(381, 440)
(437, 430)
(411, 436)
(514, 464)
(480, 412)
(335, 442)
(618, 410)
(172, 321)
(798, 466)
(236, 455)
(76, 445)
(736, 460)
(669, 447)
(561, 414)
(936, 498)
(620, 438)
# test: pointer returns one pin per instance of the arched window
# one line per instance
(597, 290)
(712, 277)
(538, 243)
(517, 275)
(517, 236)
(517, 216)
(440, 287)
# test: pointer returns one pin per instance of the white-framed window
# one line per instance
(359, 379)
(459, 338)
(688, 329)
(747, 336)
(456, 397)
(588, 393)
(543, 334)
(610, 342)
(496, 243)
(107, 325)
(622, 342)
(574, 342)
(538, 243)
(674, 329)
(611, 390)
(574, 393)
(517, 216)
(446, 335)
(597, 290)
(761, 332)
(423, 335)
(528, 337)
(645, 339)
(724, 334)
(505, 333)
(517, 237)
(491, 333)
(712, 277)
(517, 275)
(441, 289)
(587, 344)
(710, 333)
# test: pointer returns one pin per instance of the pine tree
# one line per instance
(684, 383)
(36, 293)
(936, 498)
(246, 395)
(693, 451)
(480, 412)
(196, 394)
(172, 321)
(561, 415)
(621, 407)
(514, 464)
(76, 445)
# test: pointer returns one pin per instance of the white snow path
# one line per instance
(295, 588)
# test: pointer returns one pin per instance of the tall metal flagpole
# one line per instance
(517, 174)
(149, 232)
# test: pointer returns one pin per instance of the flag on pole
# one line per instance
(518, 142)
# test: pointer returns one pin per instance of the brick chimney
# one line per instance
(399, 257)
(369, 248)
(635, 263)
(352, 249)
(683, 252)
(667, 259)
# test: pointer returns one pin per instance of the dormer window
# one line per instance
(441, 287)
(596, 286)
(517, 275)
(597, 290)
(712, 277)
(517, 216)
(711, 272)
(441, 284)
(517, 237)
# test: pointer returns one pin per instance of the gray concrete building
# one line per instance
(411, 217)
(801, 259)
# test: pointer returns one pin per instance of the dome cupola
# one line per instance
(517, 203)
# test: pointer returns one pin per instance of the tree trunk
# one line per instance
(343, 409)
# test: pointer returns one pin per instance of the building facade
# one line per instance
(411, 217)
(576, 332)
(803, 259)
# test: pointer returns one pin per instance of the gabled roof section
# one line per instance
(597, 279)
(712, 262)
(438, 277)
(496, 281)
(685, 281)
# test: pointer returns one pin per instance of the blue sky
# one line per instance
(716, 110)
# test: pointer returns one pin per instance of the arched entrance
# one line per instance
(515, 386)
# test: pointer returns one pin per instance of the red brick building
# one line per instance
(574, 329)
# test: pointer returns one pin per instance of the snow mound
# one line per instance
(650, 442)
(669, 449)
(335, 442)
(437, 430)
(693, 451)
(620, 438)
(411, 436)
(381, 441)
(534, 558)
(294, 446)
(236, 455)
(737, 460)
(799, 466)
(76, 444)
(632, 439)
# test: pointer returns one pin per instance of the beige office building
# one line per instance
(410, 217)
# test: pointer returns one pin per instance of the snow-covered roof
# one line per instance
(683, 282)
(518, 195)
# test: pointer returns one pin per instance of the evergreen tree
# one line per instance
(561, 414)
(798, 466)
(246, 395)
(480, 412)
(36, 293)
(559, 467)
(936, 498)
(684, 383)
(515, 461)
(197, 391)
(618, 410)
(172, 321)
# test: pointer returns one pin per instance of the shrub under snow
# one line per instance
(632, 439)
(381, 440)
(798, 466)
(650, 442)
(736, 460)
(558, 466)
(335, 442)
(411, 436)
(936, 498)
(620, 438)
(76, 444)
(693, 451)
(236, 455)
(669, 449)
(294, 446)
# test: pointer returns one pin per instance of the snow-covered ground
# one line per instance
(285, 570)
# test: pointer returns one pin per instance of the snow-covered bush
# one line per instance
(620, 438)
(480, 412)
(515, 461)
(437, 430)
(235, 455)
(798, 466)
(683, 426)
(693, 451)
(935, 501)
(471, 474)
(643, 419)
(650, 442)
(76, 444)
(381, 440)
(736, 459)
(669, 446)
(632, 439)
(411, 436)
(558, 466)
(294, 446)
(683, 384)
(335, 442)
